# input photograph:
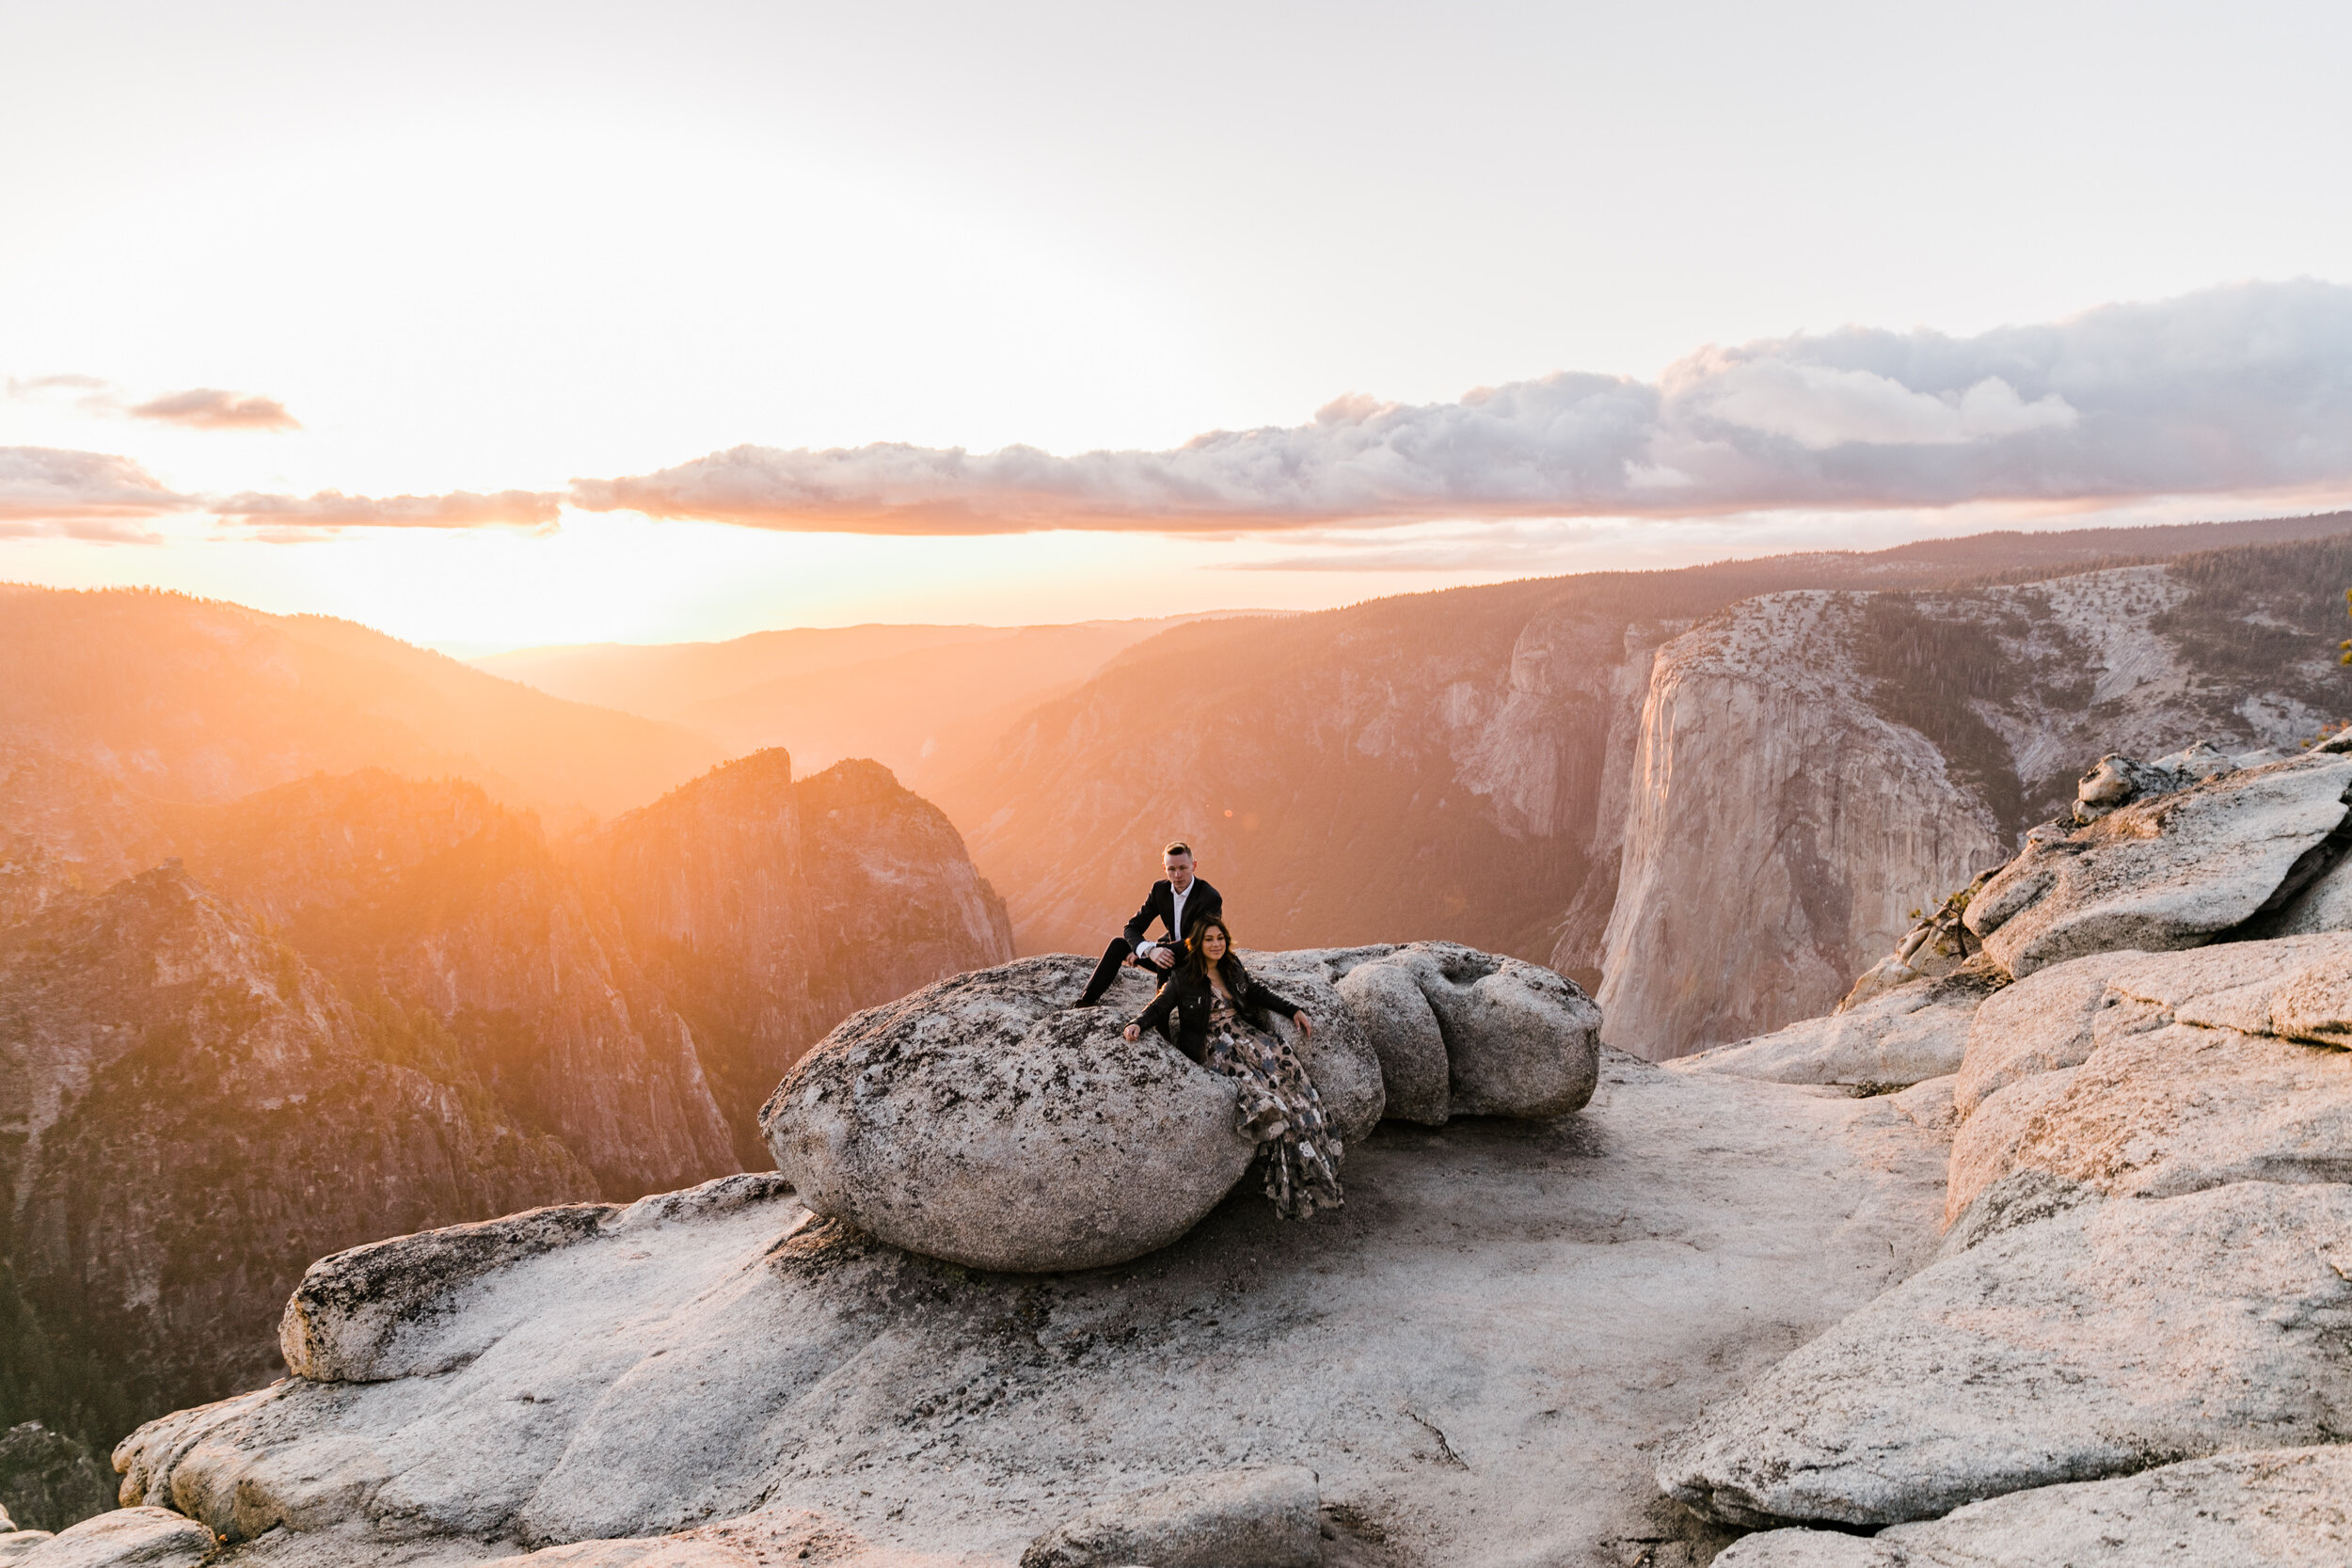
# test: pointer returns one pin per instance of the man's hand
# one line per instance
(1130, 1032)
(1306, 1024)
(1163, 957)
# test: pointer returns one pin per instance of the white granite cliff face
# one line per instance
(1779, 831)
(1784, 811)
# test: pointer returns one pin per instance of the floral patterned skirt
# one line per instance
(1298, 1150)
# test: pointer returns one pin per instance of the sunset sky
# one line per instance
(500, 324)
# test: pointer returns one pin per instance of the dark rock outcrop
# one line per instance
(434, 897)
(363, 1004)
(766, 910)
(49, 1481)
(195, 1113)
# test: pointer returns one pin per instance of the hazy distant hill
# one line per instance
(1439, 765)
(660, 679)
(918, 698)
(197, 700)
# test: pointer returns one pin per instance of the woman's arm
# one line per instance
(1155, 1015)
(1266, 997)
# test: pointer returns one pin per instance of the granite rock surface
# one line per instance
(2281, 1508)
(1265, 1517)
(2090, 1338)
(2167, 871)
(2040, 1024)
(1452, 1354)
(1908, 1035)
(985, 1121)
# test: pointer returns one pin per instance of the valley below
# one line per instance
(1905, 1030)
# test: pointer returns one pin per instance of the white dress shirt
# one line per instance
(1176, 918)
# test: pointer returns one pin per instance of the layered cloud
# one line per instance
(52, 484)
(51, 491)
(210, 408)
(51, 386)
(2240, 388)
(198, 408)
(332, 509)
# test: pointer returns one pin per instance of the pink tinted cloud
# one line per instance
(2246, 387)
(210, 408)
(332, 510)
(50, 491)
(54, 487)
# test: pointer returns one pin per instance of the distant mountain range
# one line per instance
(920, 699)
(195, 700)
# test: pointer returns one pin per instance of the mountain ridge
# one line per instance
(200, 699)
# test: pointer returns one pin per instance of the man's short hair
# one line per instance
(1179, 847)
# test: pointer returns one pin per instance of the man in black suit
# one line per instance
(1174, 903)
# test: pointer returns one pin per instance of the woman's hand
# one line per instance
(1306, 1024)
(1131, 1032)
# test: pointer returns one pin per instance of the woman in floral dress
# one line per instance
(1221, 1023)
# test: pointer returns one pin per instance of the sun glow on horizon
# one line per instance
(282, 252)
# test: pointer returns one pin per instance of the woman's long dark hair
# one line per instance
(1196, 956)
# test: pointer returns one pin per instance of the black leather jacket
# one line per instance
(1188, 996)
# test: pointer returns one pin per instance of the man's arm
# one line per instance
(1201, 902)
(1144, 916)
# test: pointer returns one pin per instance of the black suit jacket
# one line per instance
(1188, 996)
(1160, 905)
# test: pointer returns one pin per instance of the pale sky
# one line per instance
(492, 248)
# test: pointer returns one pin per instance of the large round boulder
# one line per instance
(984, 1122)
(1349, 1075)
(1405, 1033)
(1519, 1039)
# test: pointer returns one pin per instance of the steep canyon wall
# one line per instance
(1777, 827)
(1715, 794)
(1811, 767)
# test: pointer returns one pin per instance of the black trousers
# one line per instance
(1114, 956)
